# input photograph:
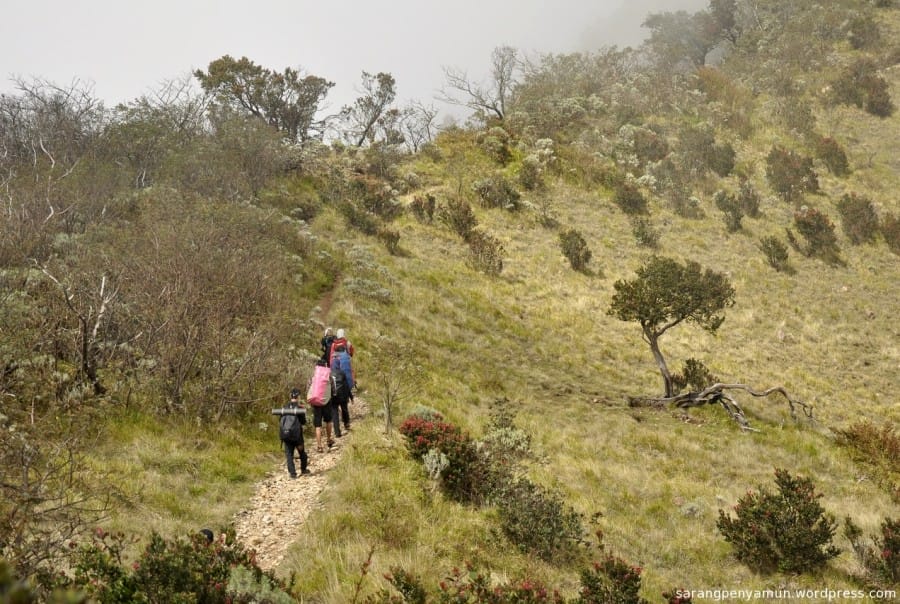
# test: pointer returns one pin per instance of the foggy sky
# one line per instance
(126, 49)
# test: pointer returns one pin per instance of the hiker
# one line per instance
(327, 340)
(292, 435)
(342, 374)
(322, 414)
(340, 339)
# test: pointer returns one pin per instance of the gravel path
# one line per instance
(269, 523)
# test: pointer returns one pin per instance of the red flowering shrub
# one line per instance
(881, 559)
(611, 580)
(463, 475)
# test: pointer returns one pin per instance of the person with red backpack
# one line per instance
(340, 339)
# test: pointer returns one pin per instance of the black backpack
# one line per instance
(341, 385)
(290, 428)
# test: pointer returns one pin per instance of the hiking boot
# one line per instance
(294, 475)
(330, 443)
(305, 471)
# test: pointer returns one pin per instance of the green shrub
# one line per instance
(832, 153)
(695, 375)
(644, 232)
(359, 218)
(860, 85)
(878, 447)
(748, 198)
(881, 559)
(611, 580)
(890, 229)
(485, 252)
(776, 253)
(463, 477)
(630, 199)
(863, 32)
(495, 142)
(790, 174)
(423, 207)
(731, 208)
(721, 160)
(531, 173)
(390, 238)
(786, 531)
(458, 216)
(537, 520)
(575, 249)
(818, 231)
(181, 570)
(497, 192)
(858, 218)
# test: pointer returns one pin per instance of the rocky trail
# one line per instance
(280, 502)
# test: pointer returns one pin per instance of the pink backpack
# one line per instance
(319, 391)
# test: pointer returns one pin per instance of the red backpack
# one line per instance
(334, 346)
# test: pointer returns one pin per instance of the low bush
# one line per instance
(748, 198)
(611, 580)
(696, 375)
(531, 175)
(180, 570)
(880, 557)
(537, 519)
(787, 531)
(818, 231)
(534, 518)
(858, 218)
(423, 207)
(860, 85)
(731, 209)
(497, 192)
(776, 253)
(790, 174)
(644, 232)
(629, 198)
(485, 252)
(458, 216)
(878, 447)
(575, 249)
(390, 238)
(462, 477)
(833, 155)
(361, 219)
(890, 229)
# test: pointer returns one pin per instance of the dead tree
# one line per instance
(717, 395)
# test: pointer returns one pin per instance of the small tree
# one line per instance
(396, 375)
(666, 293)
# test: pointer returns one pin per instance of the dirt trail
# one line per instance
(269, 524)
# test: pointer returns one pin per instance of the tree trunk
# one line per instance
(653, 340)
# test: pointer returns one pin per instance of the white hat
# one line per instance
(340, 334)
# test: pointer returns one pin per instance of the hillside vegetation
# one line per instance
(168, 267)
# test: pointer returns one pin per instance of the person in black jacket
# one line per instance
(292, 444)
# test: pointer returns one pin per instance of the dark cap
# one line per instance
(295, 393)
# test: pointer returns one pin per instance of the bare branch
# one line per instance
(716, 395)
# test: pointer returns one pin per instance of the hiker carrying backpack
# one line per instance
(290, 430)
(340, 340)
(342, 377)
(327, 340)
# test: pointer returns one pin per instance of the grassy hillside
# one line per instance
(229, 265)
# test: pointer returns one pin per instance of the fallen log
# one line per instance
(717, 395)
